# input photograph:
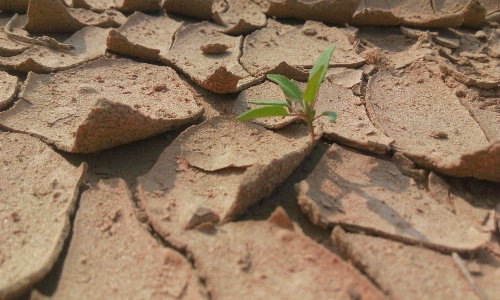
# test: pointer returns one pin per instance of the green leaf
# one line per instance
(271, 102)
(323, 60)
(262, 112)
(332, 116)
(313, 86)
(289, 88)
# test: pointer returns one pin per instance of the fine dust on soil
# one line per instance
(125, 174)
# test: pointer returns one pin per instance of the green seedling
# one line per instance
(305, 101)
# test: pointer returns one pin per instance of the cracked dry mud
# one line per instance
(125, 175)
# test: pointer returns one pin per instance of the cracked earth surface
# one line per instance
(125, 175)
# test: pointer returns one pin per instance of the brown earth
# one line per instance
(125, 175)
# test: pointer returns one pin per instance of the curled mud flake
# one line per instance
(215, 48)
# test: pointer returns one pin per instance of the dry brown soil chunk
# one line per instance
(404, 272)
(265, 49)
(214, 171)
(38, 191)
(241, 16)
(8, 88)
(328, 11)
(269, 260)
(111, 254)
(102, 104)
(352, 127)
(54, 16)
(219, 72)
(143, 36)
(430, 125)
(370, 194)
(262, 92)
(89, 43)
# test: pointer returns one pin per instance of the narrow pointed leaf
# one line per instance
(323, 60)
(290, 89)
(262, 112)
(332, 116)
(313, 86)
(272, 102)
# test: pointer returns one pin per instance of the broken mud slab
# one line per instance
(89, 43)
(126, 6)
(430, 125)
(470, 69)
(352, 128)
(210, 58)
(8, 88)
(241, 17)
(109, 250)
(200, 179)
(328, 11)
(283, 263)
(139, 36)
(54, 16)
(405, 272)
(262, 92)
(102, 104)
(10, 47)
(38, 188)
(279, 48)
(419, 13)
(370, 194)
(200, 9)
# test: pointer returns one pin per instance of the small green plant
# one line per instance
(305, 101)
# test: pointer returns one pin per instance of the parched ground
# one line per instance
(124, 173)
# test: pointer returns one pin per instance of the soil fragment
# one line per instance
(287, 41)
(352, 127)
(89, 43)
(143, 36)
(94, 107)
(241, 17)
(465, 152)
(38, 188)
(8, 88)
(224, 175)
(370, 194)
(109, 250)
(221, 72)
(404, 272)
(283, 264)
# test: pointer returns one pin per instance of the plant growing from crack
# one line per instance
(304, 101)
